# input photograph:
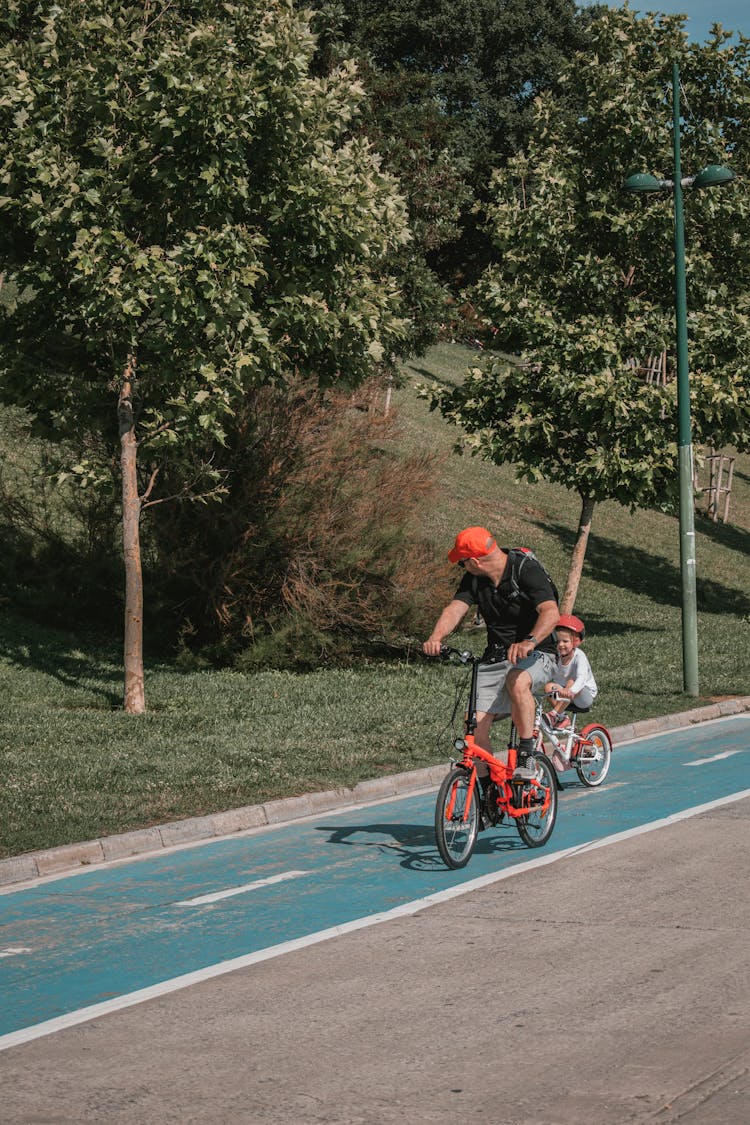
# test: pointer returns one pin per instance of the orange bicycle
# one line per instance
(524, 793)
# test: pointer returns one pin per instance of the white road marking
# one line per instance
(715, 758)
(579, 794)
(204, 900)
(14, 950)
(118, 1003)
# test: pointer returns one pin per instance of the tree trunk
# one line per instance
(579, 554)
(135, 698)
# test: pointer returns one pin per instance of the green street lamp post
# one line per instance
(643, 182)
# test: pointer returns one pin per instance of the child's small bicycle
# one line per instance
(525, 794)
(589, 750)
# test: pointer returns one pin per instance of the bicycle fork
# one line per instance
(470, 790)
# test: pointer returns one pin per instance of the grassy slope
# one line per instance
(630, 591)
(74, 767)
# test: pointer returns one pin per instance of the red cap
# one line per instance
(472, 543)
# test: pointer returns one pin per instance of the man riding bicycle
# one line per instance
(518, 603)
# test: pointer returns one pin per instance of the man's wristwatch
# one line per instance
(531, 637)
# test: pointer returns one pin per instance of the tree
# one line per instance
(584, 285)
(451, 85)
(183, 216)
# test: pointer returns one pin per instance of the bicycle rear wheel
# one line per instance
(536, 828)
(594, 755)
(455, 828)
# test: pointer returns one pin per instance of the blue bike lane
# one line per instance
(81, 945)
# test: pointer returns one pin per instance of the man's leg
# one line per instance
(492, 702)
(522, 706)
(485, 719)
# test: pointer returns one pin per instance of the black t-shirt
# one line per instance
(510, 619)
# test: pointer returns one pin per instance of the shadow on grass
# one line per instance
(725, 534)
(641, 572)
(425, 373)
(610, 628)
(414, 843)
(31, 647)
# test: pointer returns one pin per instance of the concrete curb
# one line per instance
(71, 857)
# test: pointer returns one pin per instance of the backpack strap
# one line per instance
(518, 556)
(511, 587)
(512, 590)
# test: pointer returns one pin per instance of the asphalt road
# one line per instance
(608, 985)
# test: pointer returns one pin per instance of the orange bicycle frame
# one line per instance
(500, 773)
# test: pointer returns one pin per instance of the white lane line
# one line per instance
(14, 950)
(715, 758)
(579, 794)
(118, 1003)
(203, 900)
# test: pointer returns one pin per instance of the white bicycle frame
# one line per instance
(562, 740)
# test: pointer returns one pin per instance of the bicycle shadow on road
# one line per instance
(414, 843)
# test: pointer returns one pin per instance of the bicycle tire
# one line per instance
(456, 837)
(592, 769)
(536, 828)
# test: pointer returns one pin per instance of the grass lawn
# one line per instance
(73, 766)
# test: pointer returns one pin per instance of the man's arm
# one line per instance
(548, 614)
(449, 619)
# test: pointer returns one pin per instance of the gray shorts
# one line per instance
(585, 698)
(491, 694)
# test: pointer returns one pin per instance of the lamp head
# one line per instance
(644, 182)
(713, 174)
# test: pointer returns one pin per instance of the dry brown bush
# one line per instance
(315, 552)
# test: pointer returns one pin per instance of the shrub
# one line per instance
(313, 555)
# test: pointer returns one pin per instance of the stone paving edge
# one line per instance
(74, 857)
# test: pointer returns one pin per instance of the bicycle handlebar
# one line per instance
(465, 657)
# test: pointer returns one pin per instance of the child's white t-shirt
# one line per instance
(579, 670)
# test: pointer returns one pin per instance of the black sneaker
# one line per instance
(490, 810)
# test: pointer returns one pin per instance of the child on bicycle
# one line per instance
(572, 679)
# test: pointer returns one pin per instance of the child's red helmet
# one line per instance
(568, 621)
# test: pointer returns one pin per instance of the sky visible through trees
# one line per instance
(733, 15)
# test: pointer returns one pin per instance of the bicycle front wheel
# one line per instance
(536, 828)
(594, 755)
(456, 826)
